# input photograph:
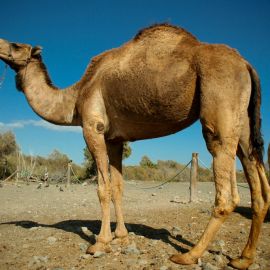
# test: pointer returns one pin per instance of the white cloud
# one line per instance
(39, 123)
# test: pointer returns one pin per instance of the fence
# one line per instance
(72, 177)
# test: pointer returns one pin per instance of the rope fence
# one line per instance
(193, 163)
(166, 181)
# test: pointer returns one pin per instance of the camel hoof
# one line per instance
(123, 241)
(241, 263)
(98, 247)
(184, 259)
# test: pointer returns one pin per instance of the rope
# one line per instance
(166, 181)
(242, 186)
(75, 174)
(203, 164)
(211, 171)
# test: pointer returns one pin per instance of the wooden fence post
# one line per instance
(68, 173)
(193, 177)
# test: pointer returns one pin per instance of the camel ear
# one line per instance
(36, 50)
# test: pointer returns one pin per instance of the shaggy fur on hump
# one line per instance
(167, 26)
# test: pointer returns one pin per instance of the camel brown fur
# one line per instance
(160, 82)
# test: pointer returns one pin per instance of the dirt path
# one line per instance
(50, 229)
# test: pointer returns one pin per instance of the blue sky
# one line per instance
(71, 32)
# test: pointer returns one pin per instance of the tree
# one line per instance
(8, 144)
(147, 163)
(57, 163)
(90, 164)
(126, 150)
(8, 149)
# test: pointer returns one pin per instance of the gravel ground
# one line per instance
(48, 229)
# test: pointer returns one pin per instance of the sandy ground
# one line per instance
(50, 229)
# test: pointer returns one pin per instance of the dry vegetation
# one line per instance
(55, 166)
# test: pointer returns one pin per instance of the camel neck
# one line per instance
(52, 104)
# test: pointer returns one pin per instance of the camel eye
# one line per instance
(15, 46)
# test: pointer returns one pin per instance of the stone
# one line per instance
(153, 242)
(131, 262)
(142, 262)
(227, 267)
(254, 266)
(83, 247)
(38, 260)
(176, 231)
(131, 249)
(86, 231)
(205, 211)
(209, 266)
(39, 186)
(164, 267)
(51, 240)
(206, 253)
(218, 259)
(154, 194)
(131, 233)
(242, 231)
(86, 256)
(99, 254)
(221, 243)
(61, 189)
(176, 199)
(33, 228)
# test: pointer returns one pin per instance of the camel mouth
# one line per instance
(3, 56)
(4, 50)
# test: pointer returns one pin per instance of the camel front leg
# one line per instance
(115, 158)
(97, 146)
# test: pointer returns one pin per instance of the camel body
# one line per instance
(159, 83)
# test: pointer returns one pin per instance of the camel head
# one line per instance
(18, 55)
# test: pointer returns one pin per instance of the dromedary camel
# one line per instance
(160, 82)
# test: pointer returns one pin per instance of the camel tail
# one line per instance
(255, 116)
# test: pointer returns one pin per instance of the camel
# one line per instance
(158, 83)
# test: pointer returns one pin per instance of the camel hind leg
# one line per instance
(223, 103)
(222, 139)
(260, 197)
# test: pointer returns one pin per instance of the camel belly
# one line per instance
(130, 130)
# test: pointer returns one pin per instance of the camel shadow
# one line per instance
(247, 213)
(75, 226)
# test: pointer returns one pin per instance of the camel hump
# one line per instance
(163, 27)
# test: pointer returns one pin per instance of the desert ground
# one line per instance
(49, 228)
